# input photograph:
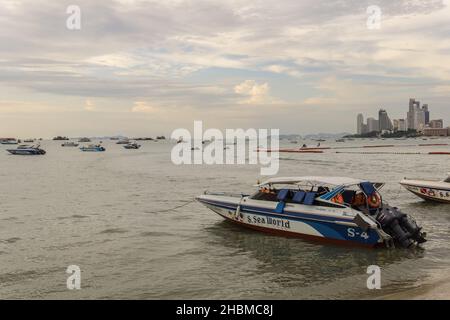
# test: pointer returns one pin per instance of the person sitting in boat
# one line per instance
(359, 200)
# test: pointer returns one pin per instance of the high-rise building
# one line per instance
(360, 123)
(372, 125)
(410, 118)
(427, 113)
(417, 117)
(383, 121)
(402, 125)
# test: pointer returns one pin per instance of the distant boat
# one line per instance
(9, 141)
(132, 146)
(60, 138)
(123, 141)
(293, 141)
(93, 148)
(84, 140)
(69, 144)
(340, 140)
(27, 150)
(28, 140)
(161, 138)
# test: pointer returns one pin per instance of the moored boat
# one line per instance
(60, 138)
(84, 140)
(93, 148)
(123, 141)
(431, 190)
(27, 150)
(335, 209)
(9, 141)
(132, 146)
(69, 144)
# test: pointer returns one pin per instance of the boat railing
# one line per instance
(226, 194)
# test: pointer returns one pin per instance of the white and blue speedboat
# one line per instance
(335, 209)
(93, 148)
(26, 150)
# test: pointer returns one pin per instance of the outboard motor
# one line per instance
(400, 226)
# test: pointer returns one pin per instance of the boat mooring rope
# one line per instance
(173, 208)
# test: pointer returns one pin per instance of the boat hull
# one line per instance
(428, 192)
(24, 153)
(296, 225)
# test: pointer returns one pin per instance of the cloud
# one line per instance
(89, 105)
(143, 107)
(255, 93)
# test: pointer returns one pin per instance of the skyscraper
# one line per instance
(383, 121)
(360, 123)
(372, 125)
(427, 113)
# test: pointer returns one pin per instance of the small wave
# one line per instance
(155, 234)
(11, 240)
(114, 230)
(75, 216)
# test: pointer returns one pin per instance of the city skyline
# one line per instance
(145, 68)
(418, 118)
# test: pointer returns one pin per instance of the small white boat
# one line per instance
(9, 141)
(132, 146)
(93, 148)
(336, 209)
(69, 144)
(431, 190)
(26, 150)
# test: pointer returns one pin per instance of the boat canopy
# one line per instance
(335, 181)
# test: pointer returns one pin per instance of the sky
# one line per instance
(145, 68)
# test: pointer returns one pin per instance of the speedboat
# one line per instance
(93, 148)
(27, 150)
(60, 138)
(335, 209)
(9, 141)
(431, 190)
(69, 144)
(123, 141)
(132, 146)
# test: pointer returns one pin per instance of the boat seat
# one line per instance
(309, 198)
(283, 194)
(299, 196)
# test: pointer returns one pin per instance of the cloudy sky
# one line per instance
(144, 67)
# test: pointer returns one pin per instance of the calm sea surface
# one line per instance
(111, 214)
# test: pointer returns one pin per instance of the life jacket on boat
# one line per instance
(374, 200)
(338, 199)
